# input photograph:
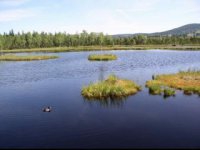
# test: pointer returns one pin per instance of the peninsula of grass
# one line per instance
(25, 58)
(111, 88)
(102, 57)
(188, 81)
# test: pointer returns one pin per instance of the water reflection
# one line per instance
(109, 102)
(102, 70)
(166, 96)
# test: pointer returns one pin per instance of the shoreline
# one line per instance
(98, 48)
(26, 58)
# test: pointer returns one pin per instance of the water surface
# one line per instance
(139, 121)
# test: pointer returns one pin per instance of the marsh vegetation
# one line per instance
(25, 58)
(104, 48)
(188, 81)
(102, 57)
(112, 87)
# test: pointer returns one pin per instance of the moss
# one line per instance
(112, 87)
(24, 58)
(103, 57)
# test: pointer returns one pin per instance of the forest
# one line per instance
(22, 40)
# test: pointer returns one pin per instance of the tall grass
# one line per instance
(112, 87)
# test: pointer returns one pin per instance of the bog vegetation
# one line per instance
(102, 57)
(112, 87)
(188, 81)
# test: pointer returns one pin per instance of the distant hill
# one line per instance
(183, 30)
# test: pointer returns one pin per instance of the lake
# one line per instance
(140, 121)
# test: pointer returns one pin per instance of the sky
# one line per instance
(107, 16)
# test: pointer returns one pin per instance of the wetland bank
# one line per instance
(25, 58)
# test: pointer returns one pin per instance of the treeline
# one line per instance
(23, 40)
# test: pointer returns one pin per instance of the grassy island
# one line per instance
(102, 57)
(25, 58)
(188, 81)
(112, 87)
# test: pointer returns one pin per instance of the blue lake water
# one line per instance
(140, 121)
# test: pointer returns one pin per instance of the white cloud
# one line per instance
(16, 14)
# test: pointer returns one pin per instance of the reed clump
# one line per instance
(112, 87)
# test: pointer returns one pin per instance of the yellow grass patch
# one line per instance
(102, 57)
(25, 58)
(189, 81)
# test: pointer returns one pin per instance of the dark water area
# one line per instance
(140, 121)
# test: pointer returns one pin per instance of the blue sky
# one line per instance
(108, 16)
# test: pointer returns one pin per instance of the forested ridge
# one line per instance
(22, 40)
(179, 31)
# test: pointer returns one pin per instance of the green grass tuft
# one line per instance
(155, 90)
(112, 87)
(169, 92)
